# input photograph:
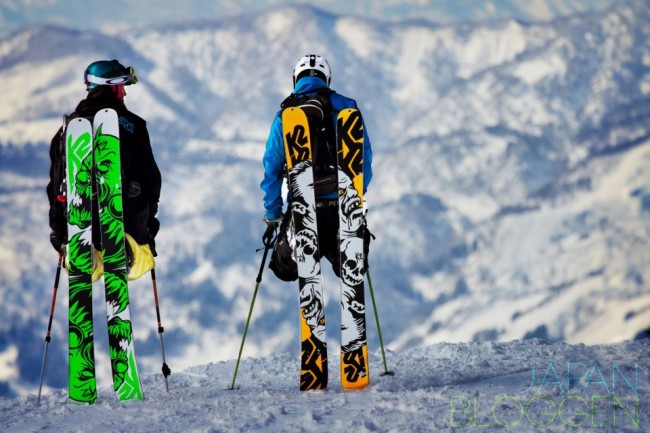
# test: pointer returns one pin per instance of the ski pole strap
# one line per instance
(268, 239)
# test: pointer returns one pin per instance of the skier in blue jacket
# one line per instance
(311, 78)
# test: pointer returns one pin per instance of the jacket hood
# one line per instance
(309, 84)
(98, 98)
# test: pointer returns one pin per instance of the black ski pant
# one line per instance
(327, 217)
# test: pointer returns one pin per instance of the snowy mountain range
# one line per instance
(124, 14)
(511, 196)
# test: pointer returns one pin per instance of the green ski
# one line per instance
(126, 380)
(79, 163)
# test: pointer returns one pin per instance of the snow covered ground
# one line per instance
(521, 386)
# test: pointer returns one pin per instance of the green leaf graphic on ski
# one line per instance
(119, 331)
(82, 365)
(79, 160)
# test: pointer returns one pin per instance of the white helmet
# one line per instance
(312, 65)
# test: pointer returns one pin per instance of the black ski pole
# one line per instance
(268, 240)
(381, 340)
(49, 325)
(165, 368)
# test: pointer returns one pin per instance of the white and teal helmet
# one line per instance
(108, 73)
(312, 65)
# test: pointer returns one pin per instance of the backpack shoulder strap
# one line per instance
(64, 127)
(317, 106)
(296, 99)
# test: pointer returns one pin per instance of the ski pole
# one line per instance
(49, 325)
(381, 340)
(268, 240)
(165, 368)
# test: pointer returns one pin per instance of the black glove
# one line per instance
(269, 234)
(367, 237)
(153, 225)
(152, 245)
(58, 240)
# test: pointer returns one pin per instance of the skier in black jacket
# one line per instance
(105, 83)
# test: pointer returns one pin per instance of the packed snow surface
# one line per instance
(522, 386)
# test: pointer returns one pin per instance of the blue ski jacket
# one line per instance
(275, 159)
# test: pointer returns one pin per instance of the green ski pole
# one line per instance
(381, 340)
(268, 240)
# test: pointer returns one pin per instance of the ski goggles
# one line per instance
(129, 78)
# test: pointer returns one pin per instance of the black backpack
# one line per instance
(320, 112)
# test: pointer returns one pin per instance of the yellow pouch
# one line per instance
(98, 264)
(143, 260)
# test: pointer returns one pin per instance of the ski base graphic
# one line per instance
(93, 166)
(126, 381)
(81, 356)
(355, 369)
(313, 365)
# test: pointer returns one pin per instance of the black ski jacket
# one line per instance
(141, 178)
